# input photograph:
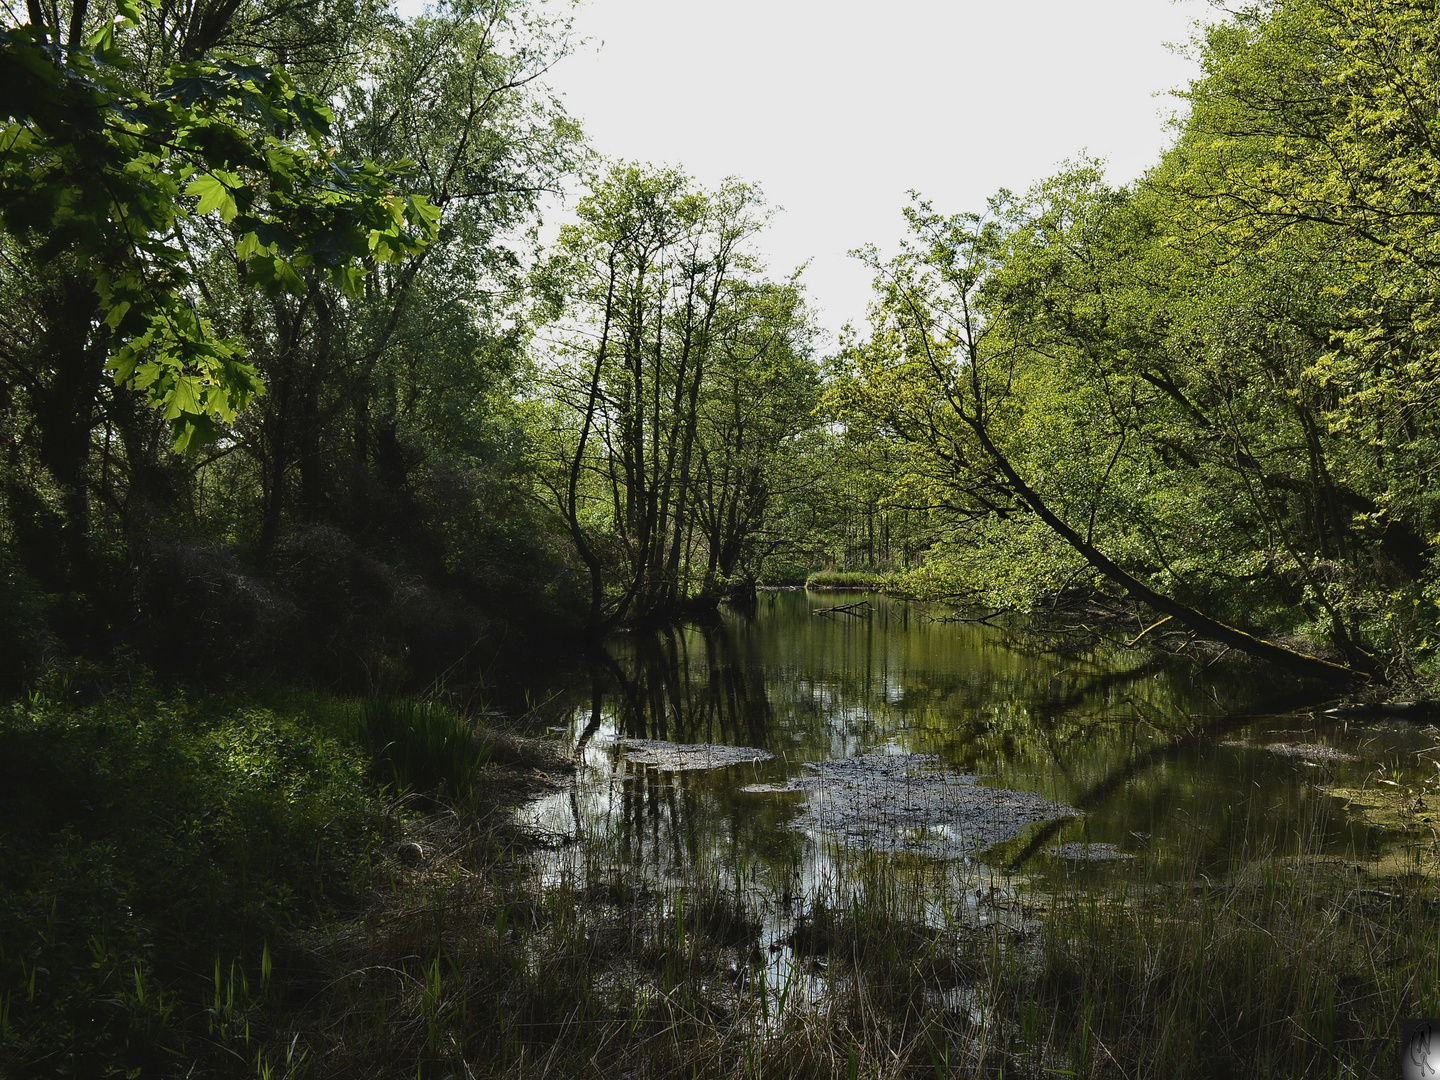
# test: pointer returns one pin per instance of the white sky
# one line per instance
(838, 109)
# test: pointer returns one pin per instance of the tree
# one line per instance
(757, 411)
(1216, 390)
(1311, 138)
(651, 457)
(109, 168)
(985, 357)
(384, 440)
(366, 388)
(109, 173)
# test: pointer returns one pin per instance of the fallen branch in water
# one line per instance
(1136, 639)
(956, 617)
(842, 609)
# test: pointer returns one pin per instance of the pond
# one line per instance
(959, 750)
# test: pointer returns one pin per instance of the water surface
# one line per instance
(1169, 765)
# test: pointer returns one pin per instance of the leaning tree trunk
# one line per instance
(1198, 621)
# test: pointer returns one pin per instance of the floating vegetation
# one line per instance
(681, 757)
(1395, 809)
(1090, 852)
(905, 802)
(1311, 752)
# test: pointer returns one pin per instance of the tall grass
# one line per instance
(215, 892)
(423, 745)
(146, 839)
(1286, 967)
(869, 580)
(416, 745)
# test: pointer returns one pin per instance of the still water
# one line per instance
(1163, 769)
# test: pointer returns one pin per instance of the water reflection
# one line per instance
(1165, 764)
(682, 685)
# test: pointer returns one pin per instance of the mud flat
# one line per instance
(1300, 751)
(1395, 810)
(906, 802)
(682, 757)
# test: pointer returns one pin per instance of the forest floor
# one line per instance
(211, 885)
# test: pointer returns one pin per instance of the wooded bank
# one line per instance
(369, 430)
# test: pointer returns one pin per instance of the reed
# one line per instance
(1285, 967)
(422, 745)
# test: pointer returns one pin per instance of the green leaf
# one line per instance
(351, 279)
(146, 375)
(116, 313)
(102, 41)
(14, 138)
(213, 195)
(249, 246)
(185, 398)
(427, 213)
(122, 366)
(287, 278)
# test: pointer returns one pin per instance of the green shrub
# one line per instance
(151, 850)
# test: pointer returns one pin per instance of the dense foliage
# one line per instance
(94, 167)
(385, 471)
(1212, 391)
(153, 851)
(191, 211)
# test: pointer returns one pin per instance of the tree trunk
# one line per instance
(65, 413)
(1298, 662)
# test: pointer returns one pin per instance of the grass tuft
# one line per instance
(423, 745)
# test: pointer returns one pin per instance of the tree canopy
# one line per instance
(309, 237)
(1212, 390)
(109, 172)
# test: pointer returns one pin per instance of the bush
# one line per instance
(152, 851)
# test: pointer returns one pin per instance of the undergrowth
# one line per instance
(151, 849)
(1284, 970)
(216, 887)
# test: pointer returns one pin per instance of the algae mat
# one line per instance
(906, 802)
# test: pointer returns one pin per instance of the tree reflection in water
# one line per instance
(1164, 760)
